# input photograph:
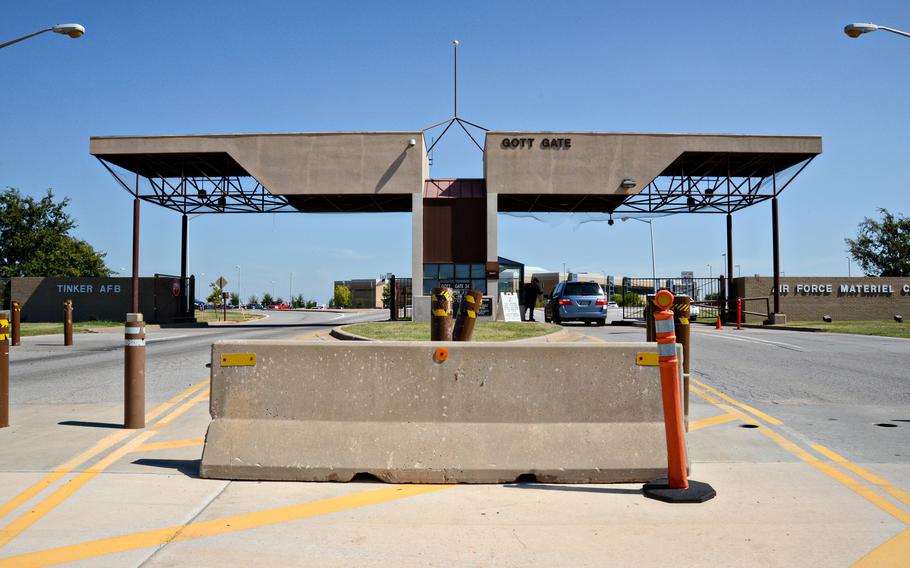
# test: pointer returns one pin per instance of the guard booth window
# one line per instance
(454, 275)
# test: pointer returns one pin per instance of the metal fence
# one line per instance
(401, 298)
(704, 293)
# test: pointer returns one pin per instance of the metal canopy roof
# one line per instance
(694, 182)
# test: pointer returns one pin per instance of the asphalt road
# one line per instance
(826, 388)
(43, 371)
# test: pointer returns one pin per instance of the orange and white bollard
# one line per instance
(676, 488)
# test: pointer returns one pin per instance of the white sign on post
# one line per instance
(508, 307)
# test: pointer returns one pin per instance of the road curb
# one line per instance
(557, 336)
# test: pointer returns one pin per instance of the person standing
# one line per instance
(532, 292)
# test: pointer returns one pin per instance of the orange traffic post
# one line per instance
(15, 324)
(676, 488)
(4, 369)
(739, 312)
(718, 325)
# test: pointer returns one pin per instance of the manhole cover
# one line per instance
(748, 425)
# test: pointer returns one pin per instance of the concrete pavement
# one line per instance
(95, 496)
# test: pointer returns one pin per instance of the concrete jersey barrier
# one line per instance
(565, 413)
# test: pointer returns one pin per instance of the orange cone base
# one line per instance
(697, 492)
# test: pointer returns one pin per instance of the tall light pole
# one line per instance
(858, 29)
(710, 271)
(724, 255)
(848, 268)
(651, 230)
(738, 271)
(72, 30)
(239, 286)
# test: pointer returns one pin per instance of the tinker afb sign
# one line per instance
(88, 288)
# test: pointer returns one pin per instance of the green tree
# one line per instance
(35, 239)
(254, 299)
(628, 299)
(342, 297)
(214, 296)
(311, 304)
(235, 298)
(882, 248)
(387, 295)
(279, 300)
(267, 299)
(298, 301)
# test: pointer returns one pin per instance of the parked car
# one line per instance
(577, 301)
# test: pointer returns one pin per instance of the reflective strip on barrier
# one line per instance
(663, 325)
(647, 359)
(666, 349)
(133, 330)
(135, 343)
(440, 313)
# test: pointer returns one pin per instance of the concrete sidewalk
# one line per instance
(136, 499)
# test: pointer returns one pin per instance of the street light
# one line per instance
(724, 255)
(72, 30)
(738, 271)
(651, 229)
(710, 272)
(858, 29)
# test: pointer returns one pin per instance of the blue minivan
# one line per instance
(577, 301)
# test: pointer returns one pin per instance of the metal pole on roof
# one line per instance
(455, 44)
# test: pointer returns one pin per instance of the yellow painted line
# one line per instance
(828, 469)
(840, 460)
(746, 407)
(50, 502)
(895, 552)
(170, 445)
(178, 533)
(713, 421)
(77, 460)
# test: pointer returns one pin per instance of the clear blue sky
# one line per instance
(167, 67)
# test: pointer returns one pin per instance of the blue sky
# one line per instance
(167, 67)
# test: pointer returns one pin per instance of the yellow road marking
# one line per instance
(746, 407)
(894, 552)
(77, 460)
(158, 537)
(895, 492)
(826, 468)
(170, 445)
(713, 421)
(50, 502)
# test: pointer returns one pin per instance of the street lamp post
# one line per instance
(710, 271)
(239, 285)
(651, 230)
(72, 30)
(857, 29)
(738, 270)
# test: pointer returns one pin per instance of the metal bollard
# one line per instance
(467, 316)
(676, 488)
(16, 322)
(68, 322)
(739, 312)
(681, 309)
(4, 369)
(134, 372)
(441, 315)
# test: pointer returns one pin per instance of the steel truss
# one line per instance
(202, 194)
(681, 193)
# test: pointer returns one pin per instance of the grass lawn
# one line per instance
(232, 315)
(48, 328)
(881, 328)
(420, 331)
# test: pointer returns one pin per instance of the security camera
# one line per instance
(412, 142)
(610, 221)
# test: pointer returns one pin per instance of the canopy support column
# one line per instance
(731, 302)
(184, 304)
(775, 240)
(136, 249)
